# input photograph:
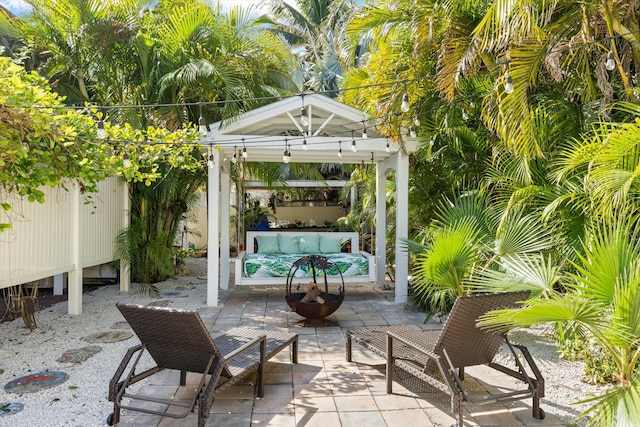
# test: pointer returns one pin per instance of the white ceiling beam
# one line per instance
(299, 184)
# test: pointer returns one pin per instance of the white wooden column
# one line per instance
(402, 226)
(75, 275)
(225, 190)
(381, 224)
(125, 270)
(213, 231)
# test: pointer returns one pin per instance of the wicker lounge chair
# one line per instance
(439, 357)
(178, 339)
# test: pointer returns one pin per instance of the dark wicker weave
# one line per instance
(179, 340)
(439, 357)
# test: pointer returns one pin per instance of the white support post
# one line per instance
(125, 271)
(381, 225)
(213, 233)
(225, 191)
(75, 275)
(402, 227)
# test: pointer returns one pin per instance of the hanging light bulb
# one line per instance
(202, 124)
(245, 154)
(101, 133)
(387, 148)
(611, 62)
(405, 103)
(25, 146)
(412, 132)
(340, 149)
(416, 120)
(304, 118)
(305, 147)
(508, 84)
(286, 156)
(125, 160)
(364, 131)
(234, 158)
(354, 148)
(210, 162)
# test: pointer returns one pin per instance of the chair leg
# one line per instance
(263, 352)
(348, 349)
(183, 378)
(203, 412)
(114, 418)
(294, 350)
(537, 411)
(390, 363)
(456, 408)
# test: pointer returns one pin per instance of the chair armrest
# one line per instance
(427, 352)
(121, 368)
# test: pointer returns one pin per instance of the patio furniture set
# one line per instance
(179, 340)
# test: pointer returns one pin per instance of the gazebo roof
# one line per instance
(332, 125)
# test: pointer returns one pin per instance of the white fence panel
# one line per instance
(40, 242)
(102, 221)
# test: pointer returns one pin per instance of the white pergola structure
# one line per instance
(267, 132)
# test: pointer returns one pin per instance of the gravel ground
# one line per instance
(563, 379)
(82, 400)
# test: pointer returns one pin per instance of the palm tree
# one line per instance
(470, 237)
(602, 299)
(314, 28)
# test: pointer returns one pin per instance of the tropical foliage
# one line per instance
(186, 58)
(45, 144)
(554, 155)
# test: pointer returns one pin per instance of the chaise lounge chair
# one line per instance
(178, 339)
(439, 357)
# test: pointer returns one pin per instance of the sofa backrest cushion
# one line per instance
(330, 244)
(288, 244)
(310, 243)
(268, 245)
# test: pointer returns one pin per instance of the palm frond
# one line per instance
(619, 406)
(557, 308)
(522, 235)
(531, 272)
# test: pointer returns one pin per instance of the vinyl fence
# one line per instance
(67, 233)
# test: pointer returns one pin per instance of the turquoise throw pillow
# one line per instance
(288, 244)
(268, 245)
(310, 243)
(330, 244)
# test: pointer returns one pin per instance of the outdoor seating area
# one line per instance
(177, 332)
(322, 388)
